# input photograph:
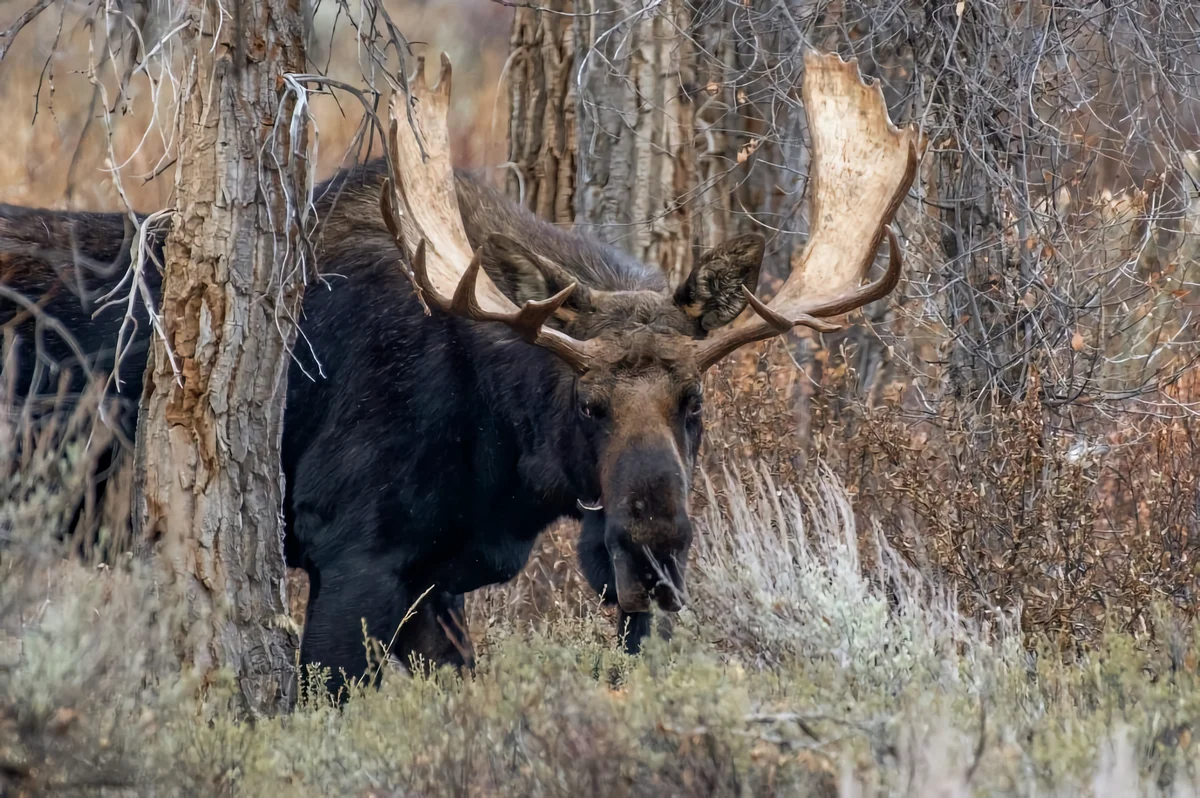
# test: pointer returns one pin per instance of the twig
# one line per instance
(13, 30)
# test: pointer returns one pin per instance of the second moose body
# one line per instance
(552, 375)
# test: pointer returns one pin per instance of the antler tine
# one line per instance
(579, 355)
(536, 312)
(528, 322)
(425, 221)
(770, 323)
(417, 276)
(870, 292)
(465, 303)
(781, 324)
(862, 168)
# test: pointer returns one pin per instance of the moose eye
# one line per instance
(592, 409)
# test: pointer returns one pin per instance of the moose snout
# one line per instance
(644, 576)
(648, 529)
(648, 497)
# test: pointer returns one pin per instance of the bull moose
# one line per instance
(483, 373)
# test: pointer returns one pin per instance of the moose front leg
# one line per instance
(345, 595)
(436, 632)
(632, 628)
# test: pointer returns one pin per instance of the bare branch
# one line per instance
(10, 34)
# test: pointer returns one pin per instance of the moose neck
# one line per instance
(530, 394)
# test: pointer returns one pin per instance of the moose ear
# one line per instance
(713, 292)
(513, 269)
(522, 275)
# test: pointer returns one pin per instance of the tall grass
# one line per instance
(807, 664)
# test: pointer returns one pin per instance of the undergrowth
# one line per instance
(802, 667)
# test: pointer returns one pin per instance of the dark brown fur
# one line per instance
(428, 450)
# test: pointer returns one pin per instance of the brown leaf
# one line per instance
(747, 149)
(1077, 341)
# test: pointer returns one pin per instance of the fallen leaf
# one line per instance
(1077, 341)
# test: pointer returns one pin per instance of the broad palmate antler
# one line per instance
(427, 223)
(862, 168)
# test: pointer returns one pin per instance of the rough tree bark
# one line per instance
(542, 135)
(641, 121)
(636, 164)
(209, 436)
(601, 124)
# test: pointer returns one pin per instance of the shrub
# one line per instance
(802, 667)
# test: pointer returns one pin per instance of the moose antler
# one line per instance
(422, 214)
(862, 168)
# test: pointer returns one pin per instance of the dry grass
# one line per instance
(815, 659)
(801, 668)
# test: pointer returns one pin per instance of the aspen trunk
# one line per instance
(542, 134)
(601, 123)
(636, 163)
(209, 436)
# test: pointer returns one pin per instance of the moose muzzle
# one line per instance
(645, 577)
(648, 532)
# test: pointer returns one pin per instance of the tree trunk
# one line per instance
(636, 165)
(640, 122)
(210, 433)
(542, 135)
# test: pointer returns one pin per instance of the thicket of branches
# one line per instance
(1018, 415)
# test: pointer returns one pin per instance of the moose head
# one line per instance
(636, 358)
